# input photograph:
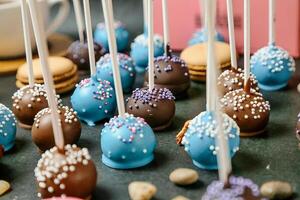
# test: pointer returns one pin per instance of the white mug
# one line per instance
(11, 30)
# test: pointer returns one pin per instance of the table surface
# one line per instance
(273, 156)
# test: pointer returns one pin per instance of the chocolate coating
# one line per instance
(233, 79)
(27, 102)
(249, 110)
(42, 132)
(157, 106)
(78, 52)
(172, 73)
(298, 128)
(71, 173)
(1, 151)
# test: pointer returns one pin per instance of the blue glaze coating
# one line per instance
(121, 33)
(127, 70)
(139, 50)
(127, 142)
(273, 67)
(94, 100)
(200, 36)
(7, 128)
(199, 140)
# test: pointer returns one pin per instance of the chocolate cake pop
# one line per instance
(233, 79)
(127, 70)
(27, 102)
(71, 173)
(121, 33)
(42, 131)
(172, 73)
(198, 138)
(94, 100)
(239, 188)
(156, 106)
(7, 128)
(127, 142)
(78, 53)
(249, 110)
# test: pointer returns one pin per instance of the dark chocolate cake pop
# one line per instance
(249, 110)
(70, 173)
(172, 73)
(157, 106)
(233, 79)
(79, 54)
(42, 131)
(27, 102)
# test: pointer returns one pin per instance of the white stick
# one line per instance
(150, 45)
(89, 33)
(27, 41)
(44, 54)
(165, 25)
(145, 13)
(109, 23)
(231, 34)
(79, 20)
(272, 20)
(246, 40)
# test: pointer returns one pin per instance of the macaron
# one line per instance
(63, 70)
(196, 59)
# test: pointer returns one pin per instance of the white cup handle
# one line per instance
(61, 15)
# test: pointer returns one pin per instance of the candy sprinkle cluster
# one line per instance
(236, 190)
(54, 169)
(5, 116)
(169, 60)
(143, 40)
(70, 116)
(242, 101)
(133, 124)
(274, 58)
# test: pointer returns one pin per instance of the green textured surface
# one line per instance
(272, 156)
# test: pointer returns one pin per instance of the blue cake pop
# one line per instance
(94, 100)
(7, 128)
(122, 36)
(199, 139)
(139, 50)
(127, 142)
(127, 70)
(200, 36)
(273, 67)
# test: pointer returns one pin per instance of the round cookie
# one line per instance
(157, 106)
(121, 33)
(200, 36)
(42, 131)
(127, 70)
(273, 67)
(79, 54)
(127, 142)
(68, 173)
(139, 50)
(7, 128)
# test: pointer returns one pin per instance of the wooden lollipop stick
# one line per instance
(79, 21)
(150, 45)
(27, 41)
(89, 33)
(40, 37)
(231, 34)
(109, 23)
(246, 41)
(272, 20)
(166, 25)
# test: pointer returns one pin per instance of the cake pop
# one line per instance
(42, 131)
(139, 50)
(239, 188)
(27, 102)
(127, 142)
(198, 138)
(127, 70)
(122, 36)
(1, 151)
(63, 174)
(200, 36)
(78, 53)
(93, 100)
(298, 128)
(156, 106)
(7, 128)
(63, 198)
